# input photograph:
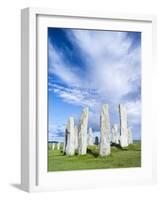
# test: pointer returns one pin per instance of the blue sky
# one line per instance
(89, 68)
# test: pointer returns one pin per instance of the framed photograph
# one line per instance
(86, 100)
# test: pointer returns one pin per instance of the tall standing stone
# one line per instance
(70, 147)
(130, 137)
(115, 135)
(105, 148)
(58, 145)
(82, 132)
(76, 138)
(90, 137)
(123, 126)
(53, 146)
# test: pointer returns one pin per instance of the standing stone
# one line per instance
(70, 148)
(115, 135)
(53, 146)
(76, 138)
(123, 126)
(82, 132)
(105, 148)
(130, 138)
(58, 145)
(90, 137)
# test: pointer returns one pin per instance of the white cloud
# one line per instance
(74, 95)
(56, 132)
(113, 68)
(134, 112)
(59, 67)
(100, 43)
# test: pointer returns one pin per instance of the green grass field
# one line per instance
(119, 158)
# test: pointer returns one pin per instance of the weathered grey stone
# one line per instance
(105, 148)
(76, 138)
(53, 146)
(115, 134)
(90, 137)
(118, 138)
(82, 132)
(58, 146)
(130, 137)
(70, 147)
(123, 126)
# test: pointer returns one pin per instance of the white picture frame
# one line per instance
(34, 176)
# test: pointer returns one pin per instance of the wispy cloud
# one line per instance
(113, 67)
(73, 95)
(58, 66)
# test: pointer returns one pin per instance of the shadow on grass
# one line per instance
(119, 147)
(94, 153)
(130, 147)
(116, 145)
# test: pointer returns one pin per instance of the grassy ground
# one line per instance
(119, 158)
